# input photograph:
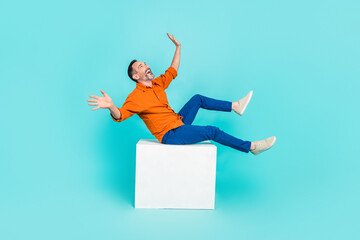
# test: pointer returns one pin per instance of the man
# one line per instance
(149, 101)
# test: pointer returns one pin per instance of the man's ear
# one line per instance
(136, 77)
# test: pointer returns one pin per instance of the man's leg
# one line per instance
(190, 109)
(189, 134)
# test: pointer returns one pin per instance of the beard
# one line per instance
(150, 76)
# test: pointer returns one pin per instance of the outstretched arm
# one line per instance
(105, 102)
(176, 60)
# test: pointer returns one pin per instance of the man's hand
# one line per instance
(101, 102)
(173, 39)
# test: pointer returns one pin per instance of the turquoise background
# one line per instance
(67, 172)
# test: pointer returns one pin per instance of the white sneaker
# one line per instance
(263, 145)
(243, 103)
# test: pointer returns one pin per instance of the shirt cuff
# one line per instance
(172, 71)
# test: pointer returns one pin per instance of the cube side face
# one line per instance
(175, 176)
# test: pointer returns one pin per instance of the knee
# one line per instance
(197, 96)
(212, 131)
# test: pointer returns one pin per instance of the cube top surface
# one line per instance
(155, 142)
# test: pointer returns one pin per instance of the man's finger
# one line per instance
(93, 96)
(95, 108)
(92, 100)
(92, 103)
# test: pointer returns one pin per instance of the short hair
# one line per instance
(131, 70)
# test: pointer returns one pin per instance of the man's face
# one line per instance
(143, 71)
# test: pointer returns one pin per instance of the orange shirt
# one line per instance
(152, 106)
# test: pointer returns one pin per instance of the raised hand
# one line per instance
(101, 102)
(173, 39)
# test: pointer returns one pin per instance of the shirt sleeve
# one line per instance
(128, 109)
(165, 79)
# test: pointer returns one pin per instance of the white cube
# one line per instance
(175, 176)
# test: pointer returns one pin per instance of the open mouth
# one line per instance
(148, 71)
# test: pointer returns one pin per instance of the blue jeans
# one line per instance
(189, 134)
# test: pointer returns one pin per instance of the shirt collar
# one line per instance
(144, 87)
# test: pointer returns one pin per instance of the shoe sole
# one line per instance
(273, 142)
(247, 102)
